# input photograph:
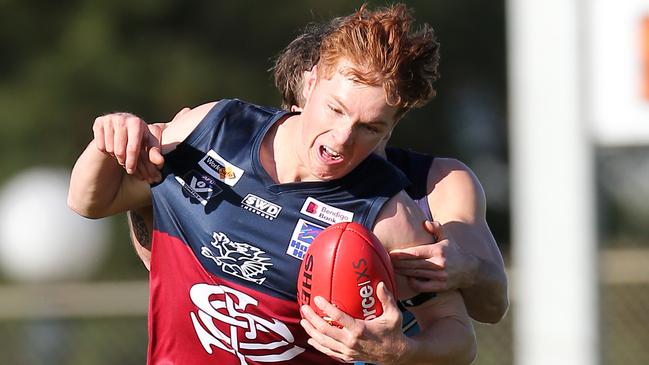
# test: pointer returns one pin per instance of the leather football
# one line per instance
(344, 265)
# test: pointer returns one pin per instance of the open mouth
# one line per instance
(329, 154)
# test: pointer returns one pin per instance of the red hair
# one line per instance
(385, 53)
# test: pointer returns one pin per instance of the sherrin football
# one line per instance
(344, 265)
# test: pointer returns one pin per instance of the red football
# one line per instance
(344, 265)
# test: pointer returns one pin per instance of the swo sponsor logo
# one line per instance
(260, 206)
(325, 212)
(249, 337)
(236, 258)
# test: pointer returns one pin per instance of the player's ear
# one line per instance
(310, 78)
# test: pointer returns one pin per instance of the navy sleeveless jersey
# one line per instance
(415, 166)
(228, 242)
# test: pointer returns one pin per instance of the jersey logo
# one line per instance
(199, 187)
(260, 206)
(324, 212)
(220, 169)
(303, 235)
(239, 259)
(243, 334)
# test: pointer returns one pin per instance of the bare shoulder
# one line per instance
(453, 189)
(176, 131)
(400, 223)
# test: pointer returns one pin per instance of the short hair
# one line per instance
(381, 45)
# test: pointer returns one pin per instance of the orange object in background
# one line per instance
(645, 54)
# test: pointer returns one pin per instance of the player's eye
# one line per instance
(371, 128)
(334, 109)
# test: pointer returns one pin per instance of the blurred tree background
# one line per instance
(64, 63)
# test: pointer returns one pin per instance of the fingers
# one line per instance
(421, 256)
(323, 336)
(109, 138)
(154, 138)
(133, 146)
(390, 308)
(98, 132)
(435, 228)
(121, 135)
(334, 314)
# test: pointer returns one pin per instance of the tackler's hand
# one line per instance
(435, 267)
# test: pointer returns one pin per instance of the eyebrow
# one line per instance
(344, 107)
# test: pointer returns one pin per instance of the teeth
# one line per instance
(333, 154)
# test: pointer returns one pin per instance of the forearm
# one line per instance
(487, 299)
(446, 333)
(447, 341)
(94, 183)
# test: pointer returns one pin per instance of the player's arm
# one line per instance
(103, 181)
(468, 258)
(140, 221)
(99, 185)
(447, 334)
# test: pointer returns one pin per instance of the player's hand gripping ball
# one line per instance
(344, 265)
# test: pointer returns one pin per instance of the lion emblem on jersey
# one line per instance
(236, 258)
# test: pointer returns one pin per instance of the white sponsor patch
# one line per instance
(303, 234)
(220, 169)
(260, 206)
(324, 212)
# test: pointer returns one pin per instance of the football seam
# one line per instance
(335, 262)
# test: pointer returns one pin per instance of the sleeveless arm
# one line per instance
(446, 335)
(458, 202)
(100, 187)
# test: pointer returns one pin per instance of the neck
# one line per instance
(278, 153)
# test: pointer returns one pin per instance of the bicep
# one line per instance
(401, 224)
(458, 202)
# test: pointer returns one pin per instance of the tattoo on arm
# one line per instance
(140, 229)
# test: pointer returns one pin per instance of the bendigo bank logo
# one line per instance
(324, 212)
(225, 320)
(312, 208)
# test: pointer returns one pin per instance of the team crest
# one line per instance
(198, 187)
(224, 321)
(236, 258)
